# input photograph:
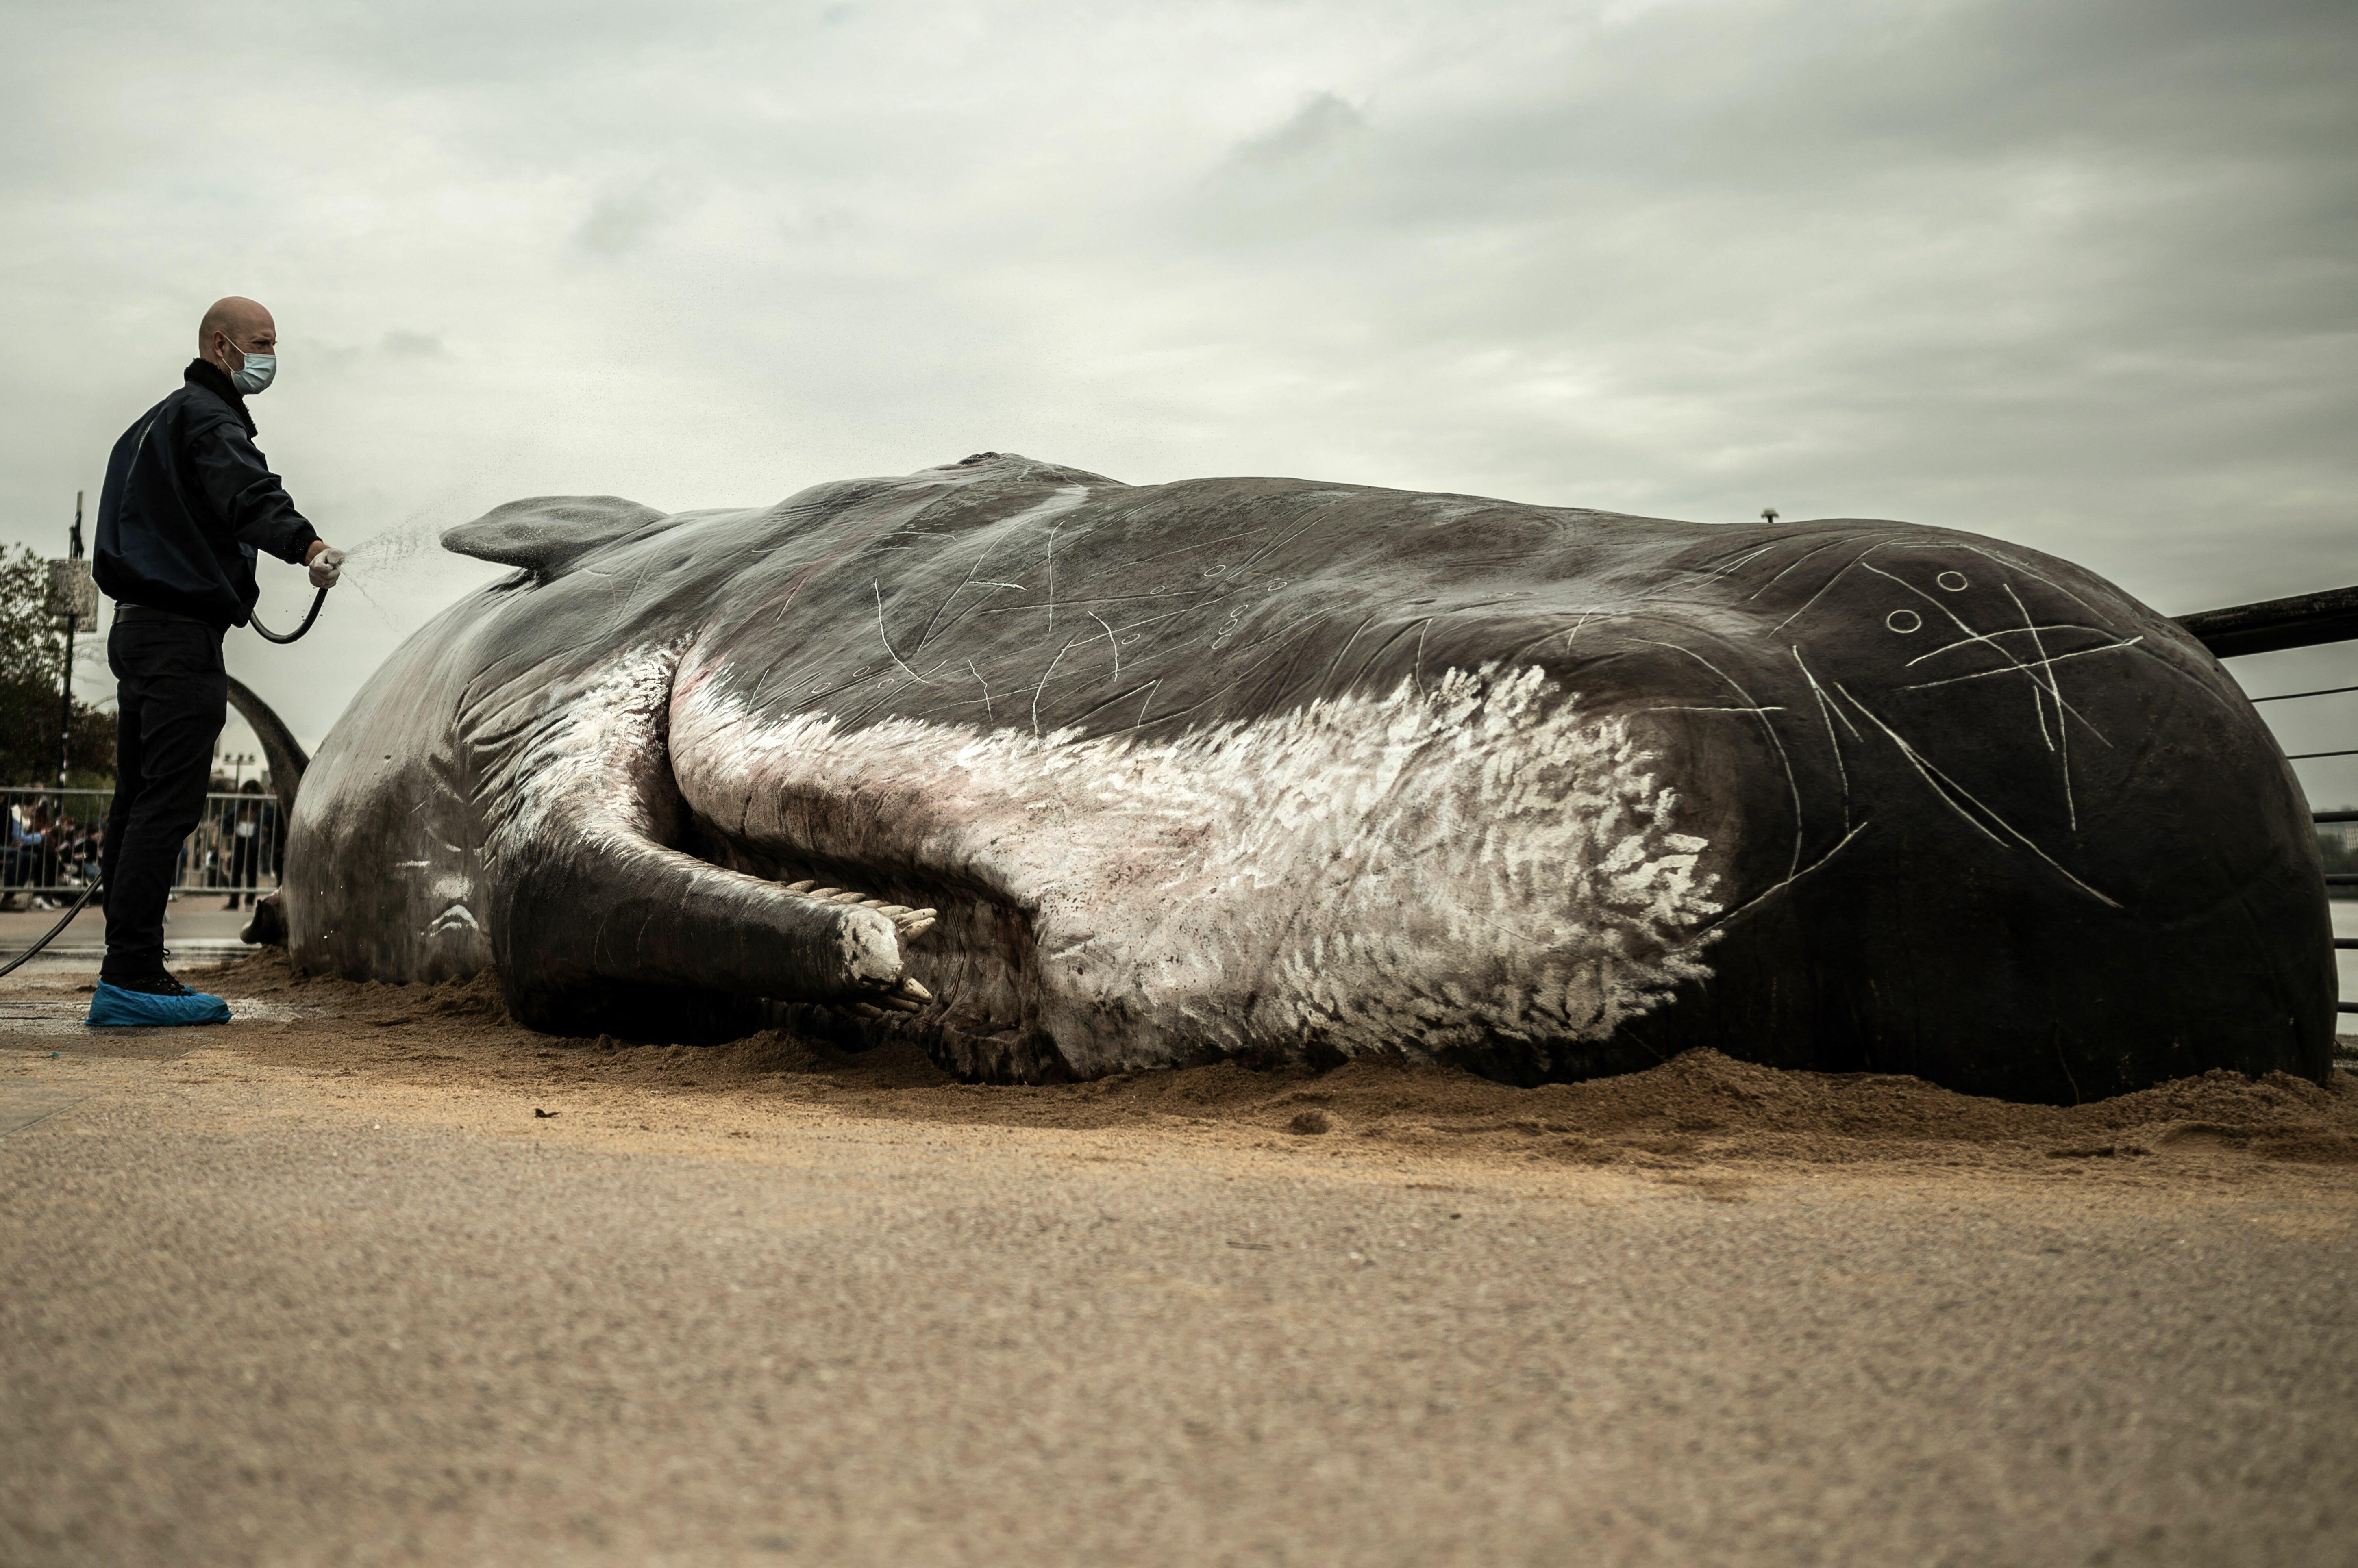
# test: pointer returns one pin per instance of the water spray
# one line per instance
(393, 542)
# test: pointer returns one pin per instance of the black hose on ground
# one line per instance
(67, 919)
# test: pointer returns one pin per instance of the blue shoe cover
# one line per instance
(112, 1007)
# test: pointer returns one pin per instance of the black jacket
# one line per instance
(188, 502)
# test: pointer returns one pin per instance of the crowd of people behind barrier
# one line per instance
(48, 853)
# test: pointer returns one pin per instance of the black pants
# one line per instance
(172, 697)
(244, 860)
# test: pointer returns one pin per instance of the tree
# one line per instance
(32, 656)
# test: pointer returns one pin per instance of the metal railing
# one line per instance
(2273, 626)
(52, 838)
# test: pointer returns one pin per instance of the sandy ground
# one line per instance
(374, 1276)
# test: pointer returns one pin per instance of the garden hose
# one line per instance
(318, 599)
(87, 894)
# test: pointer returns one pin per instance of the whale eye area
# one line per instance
(1954, 582)
(1903, 621)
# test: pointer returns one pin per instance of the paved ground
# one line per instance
(253, 1311)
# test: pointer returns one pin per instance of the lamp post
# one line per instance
(73, 598)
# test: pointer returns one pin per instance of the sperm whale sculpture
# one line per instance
(1067, 777)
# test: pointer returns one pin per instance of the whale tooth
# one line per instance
(910, 988)
(899, 1003)
(910, 922)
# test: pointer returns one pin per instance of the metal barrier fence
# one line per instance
(53, 835)
(2306, 621)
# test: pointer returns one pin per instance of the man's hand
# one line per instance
(327, 566)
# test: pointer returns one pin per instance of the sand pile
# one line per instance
(1701, 1108)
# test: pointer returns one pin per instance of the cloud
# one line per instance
(2082, 276)
(1323, 124)
(616, 224)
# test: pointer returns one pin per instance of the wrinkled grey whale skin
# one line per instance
(1274, 769)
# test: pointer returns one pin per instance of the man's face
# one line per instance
(230, 348)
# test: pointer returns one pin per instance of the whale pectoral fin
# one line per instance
(594, 915)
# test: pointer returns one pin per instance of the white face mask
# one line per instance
(256, 373)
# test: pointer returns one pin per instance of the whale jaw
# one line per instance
(1468, 866)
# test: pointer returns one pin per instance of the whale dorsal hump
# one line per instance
(1016, 467)
(547, 534)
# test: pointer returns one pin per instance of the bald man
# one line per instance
(189, 505)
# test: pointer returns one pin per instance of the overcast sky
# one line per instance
(2081, 275)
